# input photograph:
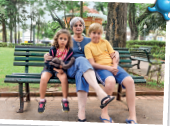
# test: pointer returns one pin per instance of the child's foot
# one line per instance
(65, 105)
(41, 106)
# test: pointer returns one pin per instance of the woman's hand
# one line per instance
(59, 70)
(47, 57)
(116, 55)
(112, 69)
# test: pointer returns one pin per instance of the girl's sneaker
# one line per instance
(65, 105)
(41, 106)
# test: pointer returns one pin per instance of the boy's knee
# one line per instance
(110, 82)
(128, 82)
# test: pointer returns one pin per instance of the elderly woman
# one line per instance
(84, 75)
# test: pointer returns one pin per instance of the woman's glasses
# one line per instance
(78, 25)
(78, 44)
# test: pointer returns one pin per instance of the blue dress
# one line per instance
(80, 65)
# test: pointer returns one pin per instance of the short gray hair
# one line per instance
(75, 20)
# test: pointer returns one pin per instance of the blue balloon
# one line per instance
(163, 7)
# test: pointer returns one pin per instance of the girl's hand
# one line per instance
(112, 69)
(59, 70)
(47, 57)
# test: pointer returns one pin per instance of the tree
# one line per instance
(116, 24)
(101, 6)
(138, 16)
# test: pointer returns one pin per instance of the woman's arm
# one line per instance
(114, 70)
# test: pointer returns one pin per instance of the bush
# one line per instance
(3, 44)
(158, 47)
(26, 43)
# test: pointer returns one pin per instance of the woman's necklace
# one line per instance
(78, 39)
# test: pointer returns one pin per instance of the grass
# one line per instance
(7, 68)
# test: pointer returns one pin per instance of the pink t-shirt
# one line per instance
(61, 54)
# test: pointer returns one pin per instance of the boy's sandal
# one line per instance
(83, 120)
(102, 119)
(107, 102)
(129, 121)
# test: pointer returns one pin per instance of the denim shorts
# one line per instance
(119, 77)
(53, 72)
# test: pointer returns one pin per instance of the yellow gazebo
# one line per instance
(92, 16)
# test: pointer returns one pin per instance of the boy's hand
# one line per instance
(112, 69)
(47, 57)
(59, 70)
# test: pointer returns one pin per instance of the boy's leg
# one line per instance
(108, 88)
(127, 82)
(108, 80)
(43, 83)
(130, 97)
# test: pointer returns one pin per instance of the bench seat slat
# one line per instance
(28, 64)
(39, 75)
(28, 59)
(32, 49)
(28, 54)
(33, 80)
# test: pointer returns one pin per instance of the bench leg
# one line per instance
(21, 98)
(138, 65)
(149, 67)
(118, 92)
(27, 92)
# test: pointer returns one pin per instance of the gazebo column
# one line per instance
(87, 29)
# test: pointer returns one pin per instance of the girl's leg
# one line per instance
(130, 97)
(43, 83)
(82, 99)
(90, 77)
(64, 84)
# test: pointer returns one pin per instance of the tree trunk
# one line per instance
(31, 30)
(116, 24)
(81, 9)
(4, 31)
(132, 22)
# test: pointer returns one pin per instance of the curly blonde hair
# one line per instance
(62, 31)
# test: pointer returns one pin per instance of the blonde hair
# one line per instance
(62, 31)
(95, 27)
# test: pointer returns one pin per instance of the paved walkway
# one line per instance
(149, 109)
(143, 69)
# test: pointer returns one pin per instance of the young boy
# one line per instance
(99, 52)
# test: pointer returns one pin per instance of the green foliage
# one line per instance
(158, 47)
(3, 44)
(26, 44)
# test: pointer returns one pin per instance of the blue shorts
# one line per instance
(103, 74)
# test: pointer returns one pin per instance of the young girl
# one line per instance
(61, 48)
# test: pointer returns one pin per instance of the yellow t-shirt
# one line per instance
(100, 52)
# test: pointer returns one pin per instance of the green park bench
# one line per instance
(32, 56)
(144, 54)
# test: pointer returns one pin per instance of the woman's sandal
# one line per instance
(107, 102)
(83, 120)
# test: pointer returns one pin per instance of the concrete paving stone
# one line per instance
(3, 98)
(93, 98)
(69, 98)
(49, 98)
(57, 98)
(74, 98)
